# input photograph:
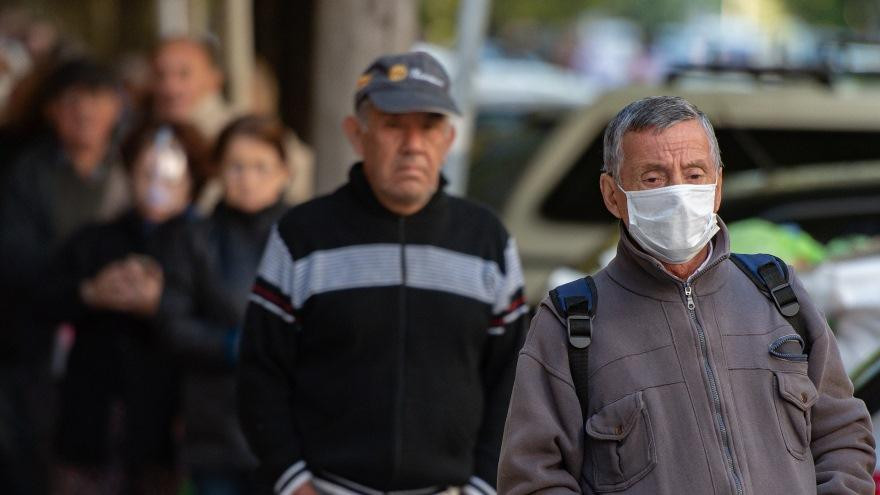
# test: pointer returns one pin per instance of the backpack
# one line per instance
(576, 302)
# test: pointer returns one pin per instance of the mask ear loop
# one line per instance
(615, 178)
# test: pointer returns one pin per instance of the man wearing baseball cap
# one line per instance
(381, 338)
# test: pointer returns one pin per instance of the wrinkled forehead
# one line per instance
(183, 52)
(683, 142)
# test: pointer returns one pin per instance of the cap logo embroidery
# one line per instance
(424, 76)
(364, 80)
(397, 72)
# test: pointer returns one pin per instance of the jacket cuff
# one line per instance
(477, 486)
(292, 479)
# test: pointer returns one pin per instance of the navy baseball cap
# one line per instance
(406, 82)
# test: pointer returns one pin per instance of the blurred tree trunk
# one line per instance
(349, 34)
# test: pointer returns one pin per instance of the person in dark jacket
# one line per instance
(119, 394)
(379, 346)
(63, 177)
(206, 295)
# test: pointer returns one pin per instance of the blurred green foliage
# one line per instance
(437, 19)
(438, 16)
(857, 15)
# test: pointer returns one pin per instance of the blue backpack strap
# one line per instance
(576, 302)
(771, 276)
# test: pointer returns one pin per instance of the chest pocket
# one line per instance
(619, 445)
(797, 394)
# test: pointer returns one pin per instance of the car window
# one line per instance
(504, 143)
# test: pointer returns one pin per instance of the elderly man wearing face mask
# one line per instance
(690, 379)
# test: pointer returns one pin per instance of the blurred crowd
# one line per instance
(135, 205)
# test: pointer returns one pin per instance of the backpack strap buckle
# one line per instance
(780, 290)
(580, 330)
(783, 296)
(576, 302)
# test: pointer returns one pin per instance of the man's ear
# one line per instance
(718, 191)
(451, 137)
(610, 197)
(352, 129)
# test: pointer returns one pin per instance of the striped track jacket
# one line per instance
(378, 351)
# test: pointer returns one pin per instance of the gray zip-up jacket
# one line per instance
(685, 401)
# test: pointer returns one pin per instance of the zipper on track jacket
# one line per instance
(396, 454)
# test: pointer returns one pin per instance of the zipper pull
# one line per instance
(690, 300)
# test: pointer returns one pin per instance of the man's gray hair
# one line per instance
(655, 113)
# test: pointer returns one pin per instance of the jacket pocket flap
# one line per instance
(797, 389)
(616, 420)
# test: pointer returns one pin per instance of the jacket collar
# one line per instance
(363, 192)
(143, 229)
(260, 221)
(639, 272)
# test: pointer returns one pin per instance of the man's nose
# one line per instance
(676, 177)
(413, 138)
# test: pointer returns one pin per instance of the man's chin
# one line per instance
(412, 195)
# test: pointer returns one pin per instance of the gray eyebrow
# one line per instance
(697, 163)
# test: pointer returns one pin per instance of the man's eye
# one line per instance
(432, 126)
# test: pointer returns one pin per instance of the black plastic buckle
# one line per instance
(580, 330)
(791, 306)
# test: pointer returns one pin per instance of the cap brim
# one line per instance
(397, 101)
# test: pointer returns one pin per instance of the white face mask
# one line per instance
(672, 223)
(165, 172)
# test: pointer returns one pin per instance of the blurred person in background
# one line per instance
(119, 396)
(66, 177)
(379, 345)
(188, 85)
(206, 296)
(31, 49)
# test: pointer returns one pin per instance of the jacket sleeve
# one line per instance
(189, 335)
(69, 268)
(265, 372)
(506, 332)
(25, 250)
(542, 450)
(842, 440)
